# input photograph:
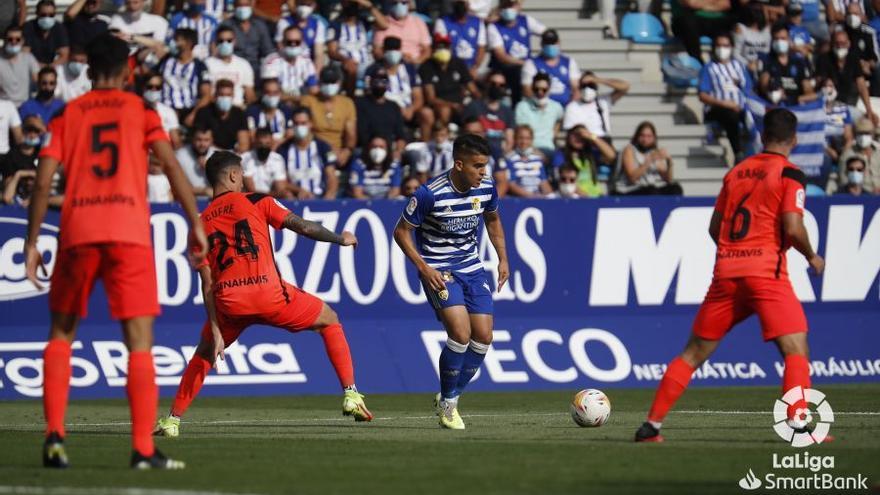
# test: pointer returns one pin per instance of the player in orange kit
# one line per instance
(758, 216)
(242, 287)
(101, 140)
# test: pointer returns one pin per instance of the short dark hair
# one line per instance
(263, 131)
(856, 158)
(108, 56)
(44, 3)
(223, 29)
(469, 145)
(780, 126)
(77, 49)
(541, 76)
(298, 110)
(11, 29)
(723, 34)
(224, 83)
(189, 35)
(47, 70)
(777, 27)
(269, 80)
(220, 161)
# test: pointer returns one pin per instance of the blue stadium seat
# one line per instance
(705, 40)
(643, 28)
(680, 70)
(814, 190)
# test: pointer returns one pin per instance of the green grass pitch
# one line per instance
(514, 443)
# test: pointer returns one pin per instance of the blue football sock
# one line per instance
(451, 360)
(473, 358)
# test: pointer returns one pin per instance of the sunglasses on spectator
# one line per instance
(293, 42)
(46, 14)
(13, 40)
(541, 89)
(226, 40)
(567, 180)
(153, 86)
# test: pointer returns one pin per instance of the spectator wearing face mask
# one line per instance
(583, 153)
(19, 188)
(866, 148)
(311, 26)
(446, 82)
(863, 37)
(73, 78)
(802, 41)
(567, 185)
(334, 118)
(433, 157)
(854, 182)
(186, 86)
(23, 156)
(83, 22)
(292, 67)
(494, 112)
(18, 69)
(593, 110)
(724, 83)
(348, 39)
(376, 174)
(158, 185)
(509, 40)
(751, 37)
(271, 113)
(410, 29)
(138, 26)
(225, 64)
(841, 65)
(541, 114)
(46, 37)
(152, 93)
(226, 121)
(563, 71)
(253, 41)
(195, 18)
(838, 126)
(193, 158)
(790, 69)
(264, 170)
(378, 116)
(43, 104)
(525, 167)
(467, 33)
(645, 168)
(404, 86)
(311, 162)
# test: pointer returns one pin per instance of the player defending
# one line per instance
(445, 215)
(242, 287)
(102, 140)
(758, 216)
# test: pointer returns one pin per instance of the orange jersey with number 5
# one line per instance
(755, 195)
(101, 140)
(240, 255)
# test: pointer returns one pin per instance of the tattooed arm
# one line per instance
(316, 231)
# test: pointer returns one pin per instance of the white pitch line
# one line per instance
(69, 490)
(404, 418)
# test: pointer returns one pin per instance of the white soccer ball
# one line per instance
(590, 407)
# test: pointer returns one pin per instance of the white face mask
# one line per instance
(589, 95)
(293, 51)
(377, 155)
(567, 188)
(853, 21)
(776, 96)
(303, 11)
(855, 177)
(225, 49)
(723, 53)
(830, 94)
(243, 13)
(75, 68)
(841, 52)
(399, 10)
(864, 140)
(330, 89)
(542, 101)
(153, 95)
(301, 131)
(271, 101)
(780, 46)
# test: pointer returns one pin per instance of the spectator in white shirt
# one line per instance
(225, 64)
(141, 27)
(593, 110)
(292, 67)
(152, 93)
(311, 25)
(73, 77)
(193, 158)
(158, 187)
(264, 170)
(10, 124)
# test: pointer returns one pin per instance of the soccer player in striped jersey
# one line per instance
(445, 216)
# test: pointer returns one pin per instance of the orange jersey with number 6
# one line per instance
(101, 140)
(755, 195)
(245, 278)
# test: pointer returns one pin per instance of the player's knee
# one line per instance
(482, 339)
(328, 317)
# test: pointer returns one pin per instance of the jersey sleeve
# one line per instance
(153, 130)
(721, 201)
(793, 194)
(492, 205)
(53, 147)
(396, 175)
(419, 206)
(273, 210)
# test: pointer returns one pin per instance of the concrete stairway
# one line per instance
(676, 114)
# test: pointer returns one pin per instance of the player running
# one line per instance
(758, 216)
(242, 287)
(445, 215)
(101, 141)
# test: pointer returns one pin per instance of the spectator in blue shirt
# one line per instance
(563, 71)
(375, 174)
(509, 40)
(812, 20)
(349, 39)
(802, 41)
(195, 18)
(525, 167)
(468, 35)
(44, 104)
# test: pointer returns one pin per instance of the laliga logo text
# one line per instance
(13, 282)
(784, 427)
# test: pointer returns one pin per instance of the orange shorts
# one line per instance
(731, 300)
(128, 272)
(299, 314)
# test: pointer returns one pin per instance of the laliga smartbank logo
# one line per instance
(796, 430)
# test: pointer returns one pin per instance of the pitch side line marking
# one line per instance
(68, 490)
(399, 418)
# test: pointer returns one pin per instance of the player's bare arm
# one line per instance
(211, 309)
(496, 237)
(36, 213)
(403, 236)
(796, 235)
(715, 226)
(183, 192)
(316, 231)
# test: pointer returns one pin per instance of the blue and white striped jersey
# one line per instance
(204, 27)
(354, 40)
(181, 88)
(728, 81)
(447, 222)
(305, 167)
(526, 170)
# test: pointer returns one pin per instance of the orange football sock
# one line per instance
(56, 384)
(339, 354)
(143, 399)
(190, 384)
(674, 382)
(797, 373)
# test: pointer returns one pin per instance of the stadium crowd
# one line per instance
(361, 99)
